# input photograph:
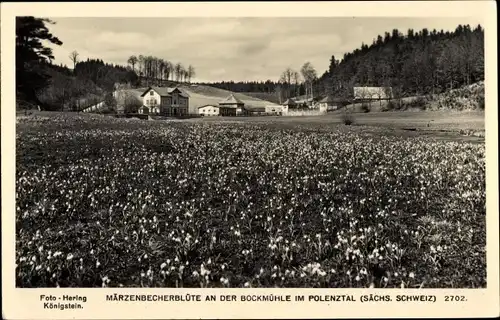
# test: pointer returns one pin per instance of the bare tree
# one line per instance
(74, 57)
(309, 75)
(191, 73)
(132, 61)
(168, 69)
(140, 61)
(296, 82)
(177, 70)
(286, 79)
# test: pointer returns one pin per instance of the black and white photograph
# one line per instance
(250, 152)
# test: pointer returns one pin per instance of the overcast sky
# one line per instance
(230, 48)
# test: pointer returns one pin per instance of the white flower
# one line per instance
(69, 257)
(411, 275)
(163, 265)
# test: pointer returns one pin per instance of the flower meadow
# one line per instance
(105, 202)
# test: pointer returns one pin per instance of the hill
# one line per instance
(418, 63)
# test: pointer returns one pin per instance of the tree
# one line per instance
(286, 79)
(132, 61)
(110, 102)
(190, 73)
(178, 71)
(32, 55)
(309, 75)
(74, 57)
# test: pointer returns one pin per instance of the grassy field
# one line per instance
(254, 202)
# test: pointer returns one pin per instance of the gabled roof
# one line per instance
(231, 100)
(166, 92)
(290, 102)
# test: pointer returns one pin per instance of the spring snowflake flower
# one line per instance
(411, 275)
(69, 257)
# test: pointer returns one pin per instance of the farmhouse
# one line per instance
(372, 93)
(208, 110)
(165, 101)
(328, 103)
(231, 106)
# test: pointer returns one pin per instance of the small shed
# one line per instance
(231, 106)
(274, 109)
(290, 103)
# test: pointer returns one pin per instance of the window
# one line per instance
(151, 93)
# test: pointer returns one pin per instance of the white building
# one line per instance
(208, 110)
(275, 109)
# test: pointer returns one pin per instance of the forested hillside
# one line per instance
(417, 63)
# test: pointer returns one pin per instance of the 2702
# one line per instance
(455, 298)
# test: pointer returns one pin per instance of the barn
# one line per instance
(231, 106)
(208, 110)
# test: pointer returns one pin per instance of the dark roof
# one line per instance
(330, 99)
(231, 100)
(255, 109)
(290, 102)
(166, 92)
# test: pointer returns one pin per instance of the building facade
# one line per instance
(372, 93)
(231, 106)
(208, 110)
(165, 101)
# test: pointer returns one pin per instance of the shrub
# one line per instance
(417, 103)
(365, 107)
(131, 106)
(480, 101)
(347, 118)
(390, 105)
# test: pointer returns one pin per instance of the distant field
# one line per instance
(466, 125)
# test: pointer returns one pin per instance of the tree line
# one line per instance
(416, 63)
(155, 69)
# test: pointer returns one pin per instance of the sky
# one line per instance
(238, 49)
